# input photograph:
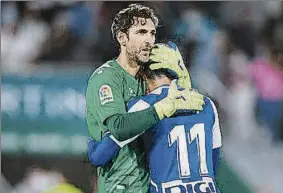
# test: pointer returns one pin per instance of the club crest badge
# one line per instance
(105, 94)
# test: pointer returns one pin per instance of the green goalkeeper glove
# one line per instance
(178, 100)
(168, 56)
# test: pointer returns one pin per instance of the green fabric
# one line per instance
(123, 127)
(228, 181)
(127, 172)
(123, 86)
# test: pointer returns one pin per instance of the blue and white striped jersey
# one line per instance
(180, 158)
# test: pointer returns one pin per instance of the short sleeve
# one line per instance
(105, 92)
(216, 132)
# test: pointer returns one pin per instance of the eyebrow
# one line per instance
(145, 30)
(142, 30)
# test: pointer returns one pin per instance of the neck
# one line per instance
(127, 63)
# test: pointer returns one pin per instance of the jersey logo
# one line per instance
(105, 94)
(132, 93)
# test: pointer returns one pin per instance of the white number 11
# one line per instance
(196, 132)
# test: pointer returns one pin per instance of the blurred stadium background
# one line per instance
(49, 49)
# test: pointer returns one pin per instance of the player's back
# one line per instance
(181, 155)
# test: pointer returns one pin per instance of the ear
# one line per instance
(122, 38)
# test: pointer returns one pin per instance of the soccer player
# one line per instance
(117, 81)
(184, 153)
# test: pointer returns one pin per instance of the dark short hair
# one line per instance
(158, 73)
(126, 18)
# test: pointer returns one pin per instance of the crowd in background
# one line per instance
(226, 45)
(233, 50)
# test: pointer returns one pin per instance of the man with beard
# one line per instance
(117, 81)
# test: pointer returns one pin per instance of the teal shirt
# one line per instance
(109, 89)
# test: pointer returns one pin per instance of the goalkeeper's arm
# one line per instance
(122, 127)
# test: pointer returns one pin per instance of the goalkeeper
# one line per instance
(116, 82)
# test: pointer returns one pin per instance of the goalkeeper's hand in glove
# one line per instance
(186, 99)
(168, 56)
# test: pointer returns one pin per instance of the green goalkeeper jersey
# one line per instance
(109, 89)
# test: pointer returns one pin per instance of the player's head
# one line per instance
(134, 28)
(156, 78)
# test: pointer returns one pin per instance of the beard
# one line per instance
(138, 55)
(143, 57)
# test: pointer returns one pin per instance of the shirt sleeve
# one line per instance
(100, 153)
(128, 125)
(217, 138)
(138, 105)
(106, 89)
(110, 107)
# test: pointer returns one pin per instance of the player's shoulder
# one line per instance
(208, 101)
(137, 104)
(108, 70)
(141, 103)
(210, 106)
(144, 102)
(156, 95)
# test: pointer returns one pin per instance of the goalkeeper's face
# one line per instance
(141, 38)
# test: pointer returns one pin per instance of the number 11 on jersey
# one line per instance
(178, 134)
